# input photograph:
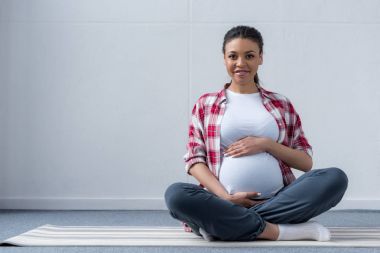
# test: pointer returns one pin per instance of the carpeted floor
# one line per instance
(14, 222)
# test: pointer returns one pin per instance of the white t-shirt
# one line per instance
(246, 115)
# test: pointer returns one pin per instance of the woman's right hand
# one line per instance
(244, 198)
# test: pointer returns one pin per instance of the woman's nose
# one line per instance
(240, 62)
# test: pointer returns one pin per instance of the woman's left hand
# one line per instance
(249, 145)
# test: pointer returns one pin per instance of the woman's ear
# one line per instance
(261, 59)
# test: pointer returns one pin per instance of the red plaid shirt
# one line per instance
(204, 131)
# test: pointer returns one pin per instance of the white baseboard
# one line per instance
(134, 204)
(372, 204)
(83, 203)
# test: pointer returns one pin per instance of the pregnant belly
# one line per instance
(260, 173)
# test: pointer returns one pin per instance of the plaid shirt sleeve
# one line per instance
(196, 147)
(296, 134)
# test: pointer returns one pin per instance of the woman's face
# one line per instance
(242, 59)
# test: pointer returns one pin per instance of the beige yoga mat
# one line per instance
(50, 235)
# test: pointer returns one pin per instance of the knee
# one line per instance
(337, 178)
(174, 195)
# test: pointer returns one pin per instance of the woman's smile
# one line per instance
(242, 73)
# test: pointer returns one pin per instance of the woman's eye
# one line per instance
(250, 56)
(231, 56)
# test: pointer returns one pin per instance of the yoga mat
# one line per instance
(50, 235)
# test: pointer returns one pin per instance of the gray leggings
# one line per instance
(313, 193)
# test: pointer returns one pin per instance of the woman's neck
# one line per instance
(244, 88)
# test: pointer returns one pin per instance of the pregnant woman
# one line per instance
(243, 140)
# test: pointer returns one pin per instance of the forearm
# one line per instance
(296, 159)
(203, 174)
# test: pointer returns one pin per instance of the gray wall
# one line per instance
(95, 96)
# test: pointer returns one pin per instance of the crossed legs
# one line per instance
(309, 195)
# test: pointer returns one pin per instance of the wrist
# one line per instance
(267, 145)
(226, 196)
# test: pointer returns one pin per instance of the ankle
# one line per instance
(271, 232)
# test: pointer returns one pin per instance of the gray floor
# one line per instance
(14, 222)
